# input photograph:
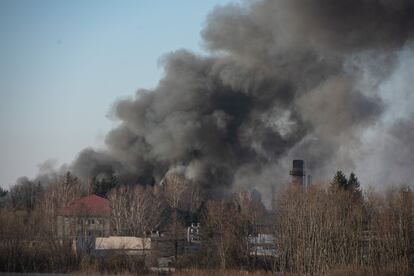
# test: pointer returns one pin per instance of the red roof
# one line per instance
(92, 205)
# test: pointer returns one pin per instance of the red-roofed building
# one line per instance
(85, 217)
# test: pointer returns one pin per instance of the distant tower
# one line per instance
(297, 172)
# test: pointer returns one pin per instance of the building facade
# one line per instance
(85, 217)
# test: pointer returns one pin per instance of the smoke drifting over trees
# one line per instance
(282, 79)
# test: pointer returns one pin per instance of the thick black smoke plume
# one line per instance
(283, 79)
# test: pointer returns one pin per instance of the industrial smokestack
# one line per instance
(297, 172)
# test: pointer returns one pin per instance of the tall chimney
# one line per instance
(297, 172)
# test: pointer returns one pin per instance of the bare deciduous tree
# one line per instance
(135, 210)
(225, 233)
(317, 230)
(59, 195)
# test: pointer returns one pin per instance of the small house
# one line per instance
(84, 217)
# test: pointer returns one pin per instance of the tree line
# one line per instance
(321, 229)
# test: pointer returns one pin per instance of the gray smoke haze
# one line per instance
(283, 79)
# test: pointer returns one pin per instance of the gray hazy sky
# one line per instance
(63, 64)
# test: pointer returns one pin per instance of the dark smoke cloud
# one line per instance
(283, 79)
(265, 27)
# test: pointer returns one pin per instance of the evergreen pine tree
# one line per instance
(339, 181)
(353, 185)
